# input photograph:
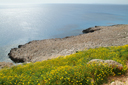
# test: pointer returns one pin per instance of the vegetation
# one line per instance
(69, 70)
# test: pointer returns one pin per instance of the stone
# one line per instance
(39, 50)
(114, 64)
(117, 83)
(20, 46)
(5, 64)
(15, 59)
(108, 62)
(91, 29)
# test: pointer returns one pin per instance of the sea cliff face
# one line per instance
(98, 36)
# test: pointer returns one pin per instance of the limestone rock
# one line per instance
(5, 64)
(39, 50)
(108, 62)
(91, 29)
(117, 83)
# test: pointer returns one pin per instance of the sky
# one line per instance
(64, 1)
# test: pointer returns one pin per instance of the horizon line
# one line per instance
(61, 3)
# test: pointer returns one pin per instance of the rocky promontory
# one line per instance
(98, 36)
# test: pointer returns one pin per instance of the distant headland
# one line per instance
(98, 36)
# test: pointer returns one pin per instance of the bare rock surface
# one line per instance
(118, 83)
(91, 29)
(5, 64)
(50, 48)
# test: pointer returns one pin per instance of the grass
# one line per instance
(69, 70)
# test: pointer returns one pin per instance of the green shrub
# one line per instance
(69, 70)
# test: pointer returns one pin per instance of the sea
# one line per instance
(20, 24)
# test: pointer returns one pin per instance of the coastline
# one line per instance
(100, 36)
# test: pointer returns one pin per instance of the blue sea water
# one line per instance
(20, 24)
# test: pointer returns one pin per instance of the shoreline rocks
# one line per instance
(98, 36)
(5, 64)
(91, 29)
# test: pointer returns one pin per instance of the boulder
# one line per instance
(117, 83)
(20, 46)
(108, 62)
(91, 29)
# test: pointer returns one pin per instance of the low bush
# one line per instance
(68, 70)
